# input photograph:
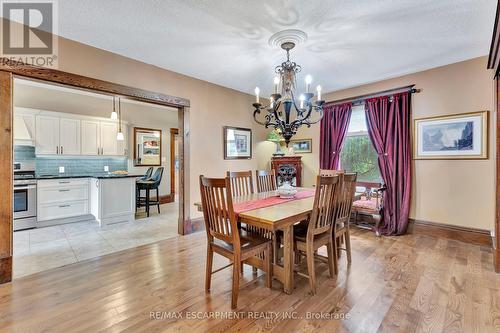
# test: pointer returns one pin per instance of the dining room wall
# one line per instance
(212, 106)
(454, 192)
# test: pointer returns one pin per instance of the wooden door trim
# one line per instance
(6, 166)
(173, 133)
(90, 84)
(10, 69)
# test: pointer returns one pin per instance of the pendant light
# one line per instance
(114, 115)
(120, 136)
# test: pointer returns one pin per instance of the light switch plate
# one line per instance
(61, 169)
(106, 168)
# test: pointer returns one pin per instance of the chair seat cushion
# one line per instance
(248, 241)
(366, 204)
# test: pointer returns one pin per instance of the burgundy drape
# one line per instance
(333, 129)
(388, 122)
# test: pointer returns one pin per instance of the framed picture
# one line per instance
(237, 143)
(458, 136)
(147, 147)
(301, 146)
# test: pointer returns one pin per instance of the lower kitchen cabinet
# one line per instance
(112, 200)
(61, 199)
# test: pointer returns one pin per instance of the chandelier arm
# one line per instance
(303, 119)
(317, 120)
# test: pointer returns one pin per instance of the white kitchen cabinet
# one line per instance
(112, 200)
(62, 201)
(57, 136)
(69, 136)
(109, 144)
(99, 138)
(65, 134)
(47, 135)
(91, 137)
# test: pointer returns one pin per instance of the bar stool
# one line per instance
(152, 183)
(146, 176)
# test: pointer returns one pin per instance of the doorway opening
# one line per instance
(67, 145)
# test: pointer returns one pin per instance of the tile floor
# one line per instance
(41, 249)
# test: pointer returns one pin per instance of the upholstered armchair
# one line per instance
(368, 210)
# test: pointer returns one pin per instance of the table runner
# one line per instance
(269, 201)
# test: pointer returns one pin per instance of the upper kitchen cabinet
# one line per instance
(69, 136)
(47, 135)
(109, 143)
(59, 133)
(99, 138)
(91, 137)
(57, 136)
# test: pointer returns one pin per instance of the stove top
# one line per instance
(24, 173)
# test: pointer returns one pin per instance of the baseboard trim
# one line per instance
(194, 225)
(463, 234)
(164, 199)
(5, 270)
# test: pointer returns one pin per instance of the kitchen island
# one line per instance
(106, 198)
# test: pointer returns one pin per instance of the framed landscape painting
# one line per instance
(237, 143)
(459, 136)
(301, 146)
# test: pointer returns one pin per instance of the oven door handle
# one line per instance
(29, 187)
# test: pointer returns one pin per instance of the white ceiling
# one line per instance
(350, 42)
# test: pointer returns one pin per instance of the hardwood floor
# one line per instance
(400, 284)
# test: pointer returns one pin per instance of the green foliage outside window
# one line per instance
(358, 155)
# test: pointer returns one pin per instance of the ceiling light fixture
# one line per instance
(120, 136)
(281, 119)
(114, 115)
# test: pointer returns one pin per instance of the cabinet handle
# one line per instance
(62, 153)
(64, 190)
(57, 150)
(64, 182)
(64, 206)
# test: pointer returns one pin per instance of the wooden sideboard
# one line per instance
(288, 165)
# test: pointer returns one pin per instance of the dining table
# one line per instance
(266, 210)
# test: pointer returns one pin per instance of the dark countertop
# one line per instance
(88, 175)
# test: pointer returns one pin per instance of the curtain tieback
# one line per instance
(383, 154)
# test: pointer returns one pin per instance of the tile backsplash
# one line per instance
(72, 165)
(24, 154)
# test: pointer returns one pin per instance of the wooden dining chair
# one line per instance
(341, 231)
(266, 180)
(241, 182)
(318, 232)
(224, 237)
(330, 173)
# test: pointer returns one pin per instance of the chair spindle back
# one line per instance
(218, 212)
(323, 214)
(346, 196)
(241, 182)
(266, 180)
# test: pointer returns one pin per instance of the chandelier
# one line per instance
(307, 111)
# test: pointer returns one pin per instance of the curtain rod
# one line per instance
(361, 98)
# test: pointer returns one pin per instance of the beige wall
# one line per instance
(212, 106)
(452, 192)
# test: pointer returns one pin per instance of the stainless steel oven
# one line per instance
(24, 197)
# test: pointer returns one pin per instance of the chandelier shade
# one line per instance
(283, 113)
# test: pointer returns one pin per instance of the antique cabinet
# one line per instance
(287, 168)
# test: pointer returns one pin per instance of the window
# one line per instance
(358, 154)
